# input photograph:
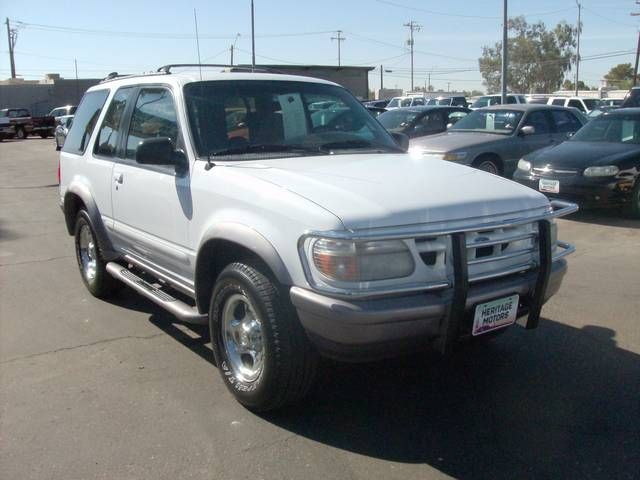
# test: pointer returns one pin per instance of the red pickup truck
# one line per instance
(18, 123)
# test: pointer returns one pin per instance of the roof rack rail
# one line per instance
(115, 76)
(230, 68)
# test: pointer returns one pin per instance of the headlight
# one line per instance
(524, 165)
(351, 261)
(454, 156)
(606, 171)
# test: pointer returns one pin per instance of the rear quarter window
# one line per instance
(85, 121)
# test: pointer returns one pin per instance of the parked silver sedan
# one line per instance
(63, 124)
(495, 138)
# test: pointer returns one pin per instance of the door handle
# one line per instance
(118, 177)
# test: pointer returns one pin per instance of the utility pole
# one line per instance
(429, 77)
(12, 35)
(232, 48)
(413, 27)
(448, 87)
(505, 60)
(381, 78)
(635, 70)
(339, 39)
(253, 38)
(75, 62)
(578, 47)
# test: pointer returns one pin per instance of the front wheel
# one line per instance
(635, 200)
(20, 134)
(262, 352)
(487, 165)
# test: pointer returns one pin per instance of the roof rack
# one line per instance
(229, 68)
(115, 76)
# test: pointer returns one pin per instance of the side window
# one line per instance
(418, 101)
(566, 122)
(576, 104)
(108, 135)
(539, 121)
(13, 113)
(154, 116)
(558, 101)
(511, 99)
(23, 113)
(495, 101)
(455, 116)
(432, 122)
(85, 121)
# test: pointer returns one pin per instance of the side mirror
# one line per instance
(527, 130)
(160, 151)
(402, 140)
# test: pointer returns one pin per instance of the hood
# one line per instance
(386, 190)
(449, 141)
(578, 155)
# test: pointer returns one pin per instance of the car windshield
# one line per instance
(486, 101)
(502, 122)
(591, 103)
(397, 119)
(610, 129)
(268, 119)
(395, 102)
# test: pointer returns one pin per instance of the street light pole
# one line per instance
(578, 47)
(503, 89)
(253, 38)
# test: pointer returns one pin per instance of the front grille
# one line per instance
(490, 253)
(553, 172)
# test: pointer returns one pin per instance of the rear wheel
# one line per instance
(44, 134)
(261, 350)
(90, 262)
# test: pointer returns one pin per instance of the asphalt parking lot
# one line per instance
(93, 389)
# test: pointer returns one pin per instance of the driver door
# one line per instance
(152, 203)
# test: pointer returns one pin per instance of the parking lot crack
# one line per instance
(84, 345)
(41, 260)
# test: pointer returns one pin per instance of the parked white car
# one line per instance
(496, 99)
(409, 101)
(295, 233)
(585, 105)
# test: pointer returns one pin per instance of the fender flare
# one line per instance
(83, 193)
(243, 236)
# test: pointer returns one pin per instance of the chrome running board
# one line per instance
(184, 312)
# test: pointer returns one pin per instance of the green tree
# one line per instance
(538, 57)
(620, 76)
(569, 85)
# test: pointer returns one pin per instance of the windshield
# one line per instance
(610, 129)
(591, 103)
(486, 101)
(502, 122)
(397, 119)
(266, 119)
(395, 102)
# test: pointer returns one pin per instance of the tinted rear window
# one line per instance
(85, 121)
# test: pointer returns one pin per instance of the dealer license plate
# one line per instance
(495, 314)
(549, 186)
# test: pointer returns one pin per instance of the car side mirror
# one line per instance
(527, 130)
(160, 151)
(402, 140)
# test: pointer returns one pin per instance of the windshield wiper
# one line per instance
(355, 143)
(264, 148)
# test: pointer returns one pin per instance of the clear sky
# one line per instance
(140, 35)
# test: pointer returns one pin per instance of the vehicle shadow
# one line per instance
(607, 218)
(556, 402)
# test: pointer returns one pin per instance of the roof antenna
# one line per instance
(195, 20)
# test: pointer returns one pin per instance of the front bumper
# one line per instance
(378, 328)
(588, 192)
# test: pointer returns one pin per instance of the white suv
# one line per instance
(294, 232)
(585, 105)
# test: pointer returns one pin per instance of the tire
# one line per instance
(262, 352)
(20, 133)
(43, 135)
(635, 200)
(488, 164)
(92, 267)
